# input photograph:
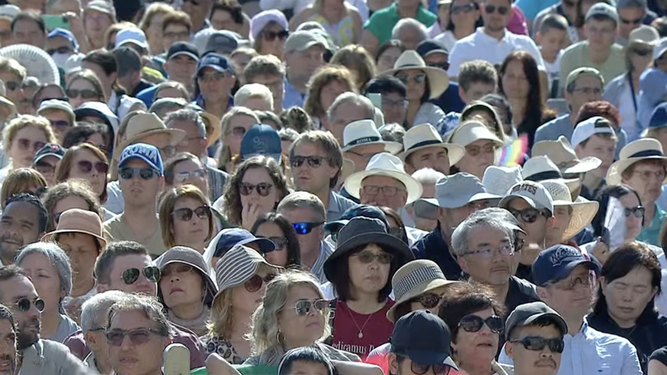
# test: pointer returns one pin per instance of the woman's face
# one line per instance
(433, 296)
(515, 83)
(415, 82)
(97, 139)
(641, 58)
(192, 173)
(27, 141)
(628, 296)
(88, 167)
(479, 156)
(45, 279)
(370, 277)
(196, 229)
(330, 92)
(633, 224)
(272, 231)
(81, 91)
(462, 13)
(50, 93)
(273, 42)
(476, 346)
(181, 284)
(154, 32)
(68, 203)
(235, 132)
(246, 301)
(82, 251)
(258, 179)
(388, 58)
(300, 329)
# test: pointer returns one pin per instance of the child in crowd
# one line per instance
(552, 39)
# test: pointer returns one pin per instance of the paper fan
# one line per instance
(38, 63)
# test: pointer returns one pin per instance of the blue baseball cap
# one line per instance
(659, 116)
(64, 33)
(261, 139)
(145, 152)
(215, 61)
(557, 262)
(408, 339)
(231, 237)
(362, 210)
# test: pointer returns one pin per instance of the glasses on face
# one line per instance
(138, 336)
(60, 124)
(443, 65)
(61, 49)
(26, 144)
(489, 253)
(490, 9)
(85, 93)
(185, 214)
(635, 21)
(529, 215)
(270, 36)
(418, 369)
(637, 212)
(131, 275)
(417, 78)
(12, 86)
(167, 151)
(401, 103)
(647, 175)
(572, 283)
(127, 173)
(387, 191)
(589, 90)
(280, 242)
(238, 131)
(211, 76)
(642, 52)
(44, 167)
(86, 166)
(367, 257)
(535, 343)
(461, 9)
(254, 283)
(24, 304)
(263, 188)
(184, 176)
(180, 268)
(474, 323)
(313, 161)
(176, 35)
(428, 300)
(304, 307)
(476, 150)
(305, 228)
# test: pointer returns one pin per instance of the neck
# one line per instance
(549, 56)
(413, 108)
(50, 323)
(216, 107)
(598, 57)
(199, 246)
(446, 235)
(622, 323)
(310, 257)
(407, 11)
(495, 34)
(242, 324)
(365, 303)
(649, 213)
(574, 323)
(501, 291)
(518, 107)
(324, 197)
(81, 285)
(143, 220)
(102, 364)
(333, 15)
(188, 311)
(461, 32)
(591, 181)
(298, 83)
(477, 367)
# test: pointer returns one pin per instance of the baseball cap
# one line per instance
(602, 9)
(431, 46)
(620, 4)
(533, 193)
(58, 105)
(145, 152)
(131, 35)
(659, 116)
(183, 49)
(557, 262)
(587, 128)
(456, 191)
(9, 11)
(49, 149)
(191, 257)
(408, 339)
(359, 210)
(575, 74)
(223, 42)
(228, 238)
(528, 313)
(261, 139)
(102, 6)
(300, 41)
(215, 61)
(63, 33)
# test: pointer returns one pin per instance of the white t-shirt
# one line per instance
(553, 69)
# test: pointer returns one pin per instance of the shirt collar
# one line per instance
(479, 33)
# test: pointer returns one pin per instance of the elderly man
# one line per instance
(94, 314)
(304, 54)
(346, 109)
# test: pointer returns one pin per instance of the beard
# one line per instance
(8, 252)
(24, 337)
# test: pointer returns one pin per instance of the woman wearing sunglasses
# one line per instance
(279, 230)
(461, 20)
(67, 195)
(473, 315)
(84, 87)
(186, 218)
(269, 30)
(22, 180)
(360, 270)
(234, 125)
(186, 288)
(49, 270)
(242, 275)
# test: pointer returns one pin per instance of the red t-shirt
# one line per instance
(375, 329)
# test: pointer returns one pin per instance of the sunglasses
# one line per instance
(428, 300)
(26, 144)
(423, 369)
(490, 9)
(280, 242)
(138, 336)
(211, 76)
(313, 161)
(642, 52)
(60, 124)
(180, 268)
(85, 93)
(529, 215)
(367, 257)
(539, 343)
(270, 36)
(305, 228)
(61, 49)
(638, 211)
(473, 323)
(184, 176)
(443, 66)
(304, 307)
(127, 173)
(86, 167)
(11, 85)
(185, 214)
(461, 9)
(254, 283)
(238, 131)
(44, 167)
(417, 78)
(263, 188)
(131, 275)
(636, 21)
(24, 304)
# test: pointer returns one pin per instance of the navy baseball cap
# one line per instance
(261, 139)
(362, 210)
(215, 61)
(659, 116)
(430, 46)
(231, 237)
(557, 262)
(64, 33)
(49, 149)
(145, 152)
(183, 49)
(408, 339)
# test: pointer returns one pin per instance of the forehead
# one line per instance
(19, 209)
(299, 214)
(128, 320)
(26, 22)
(123, 262)
(309, 147)
(588, 80)
(381, 181)
(580, 270)
(299, 292)
(518, 204)
(649, 165)
(487, 235)
(15, 287)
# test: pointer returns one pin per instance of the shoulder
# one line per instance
(53, 348)
(660, 355)
(575, 48)
(609, 341)
(339, 355)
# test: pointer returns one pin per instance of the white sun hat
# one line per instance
(633, 152)
(425, 135)
(364, 132)
(563, 155)
(384, 164)
(583, 210)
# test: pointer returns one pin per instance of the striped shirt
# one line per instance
(318, 267)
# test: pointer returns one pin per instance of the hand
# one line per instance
(75, 22)
(216, 365)
(249, 215)
(601, 251)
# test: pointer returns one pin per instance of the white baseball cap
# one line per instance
(533, 193)
(587, 128)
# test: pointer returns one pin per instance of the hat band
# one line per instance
(363, 140)
(646, 153)
(548, 175)
(416, 277)
(425, 143)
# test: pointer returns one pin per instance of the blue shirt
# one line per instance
(651, 234)
(147, 96)
(450, 101)
(337, 205)
(292, 97)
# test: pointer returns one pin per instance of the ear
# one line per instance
(232, 80)
(392, 363)
(654, 292)
(91, 340)
(462, 263)
(603, 283)
(542, 293)
(509, 350)
(462, 94)
(409, 169)
(101, 288)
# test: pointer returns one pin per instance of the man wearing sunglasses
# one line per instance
(23, 222)
(12, 74)
(199, 11)
(215, 79)
(632, 14)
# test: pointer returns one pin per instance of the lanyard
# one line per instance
(632, 92)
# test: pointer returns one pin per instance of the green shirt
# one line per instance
(244, 370)
(383, 21)
(576, 56)
(651, 234)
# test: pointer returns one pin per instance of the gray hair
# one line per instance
(406, 23)
(428, 176)
(392, 133)
(288, 134)
(163, 103)
(359, 100)
(58, 259)
(95, 310)
(253, 90)
(148, 305)
(188, 115)
(494, 217)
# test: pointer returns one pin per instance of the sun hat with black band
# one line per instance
(191, 257)
(438, 80)
(363, 133)
(425, 135)
(582, 212)
(564, 156)
(362, 231)
(541, 168)
(526, 314)
(634, 152)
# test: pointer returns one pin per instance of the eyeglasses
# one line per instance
(488, 253)
(367, 257)
(423, 369)
(461, 9)
(304, 307)
(571, 284)
(474, 323)
(44, 167)
(263, 188)
(24, 304)
(270, 36)
(138, 336)
(176, 35)
(26, 144)
(131, 275)
(536, 343)
(417, 78)
(489, 148)
(167, 151)
(638, 211)
(184, 176)
(180, 268)
(387, 191)
(490, 9)
(642, 52)
(211, 76)
(85, 93)
(428, 300)
(61, 49)
(238, 131)
(443, 66)
(313, 161)
(86, 167)
(529, 215)
(588, 90)
(635, 21)
(254, 283)
(60, 124)
(280, 242)
(11, 85)
(394, 103)
(305, 228)
(647, 175)
(127, 173)
(186, 214)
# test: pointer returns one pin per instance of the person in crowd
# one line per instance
(176, 27)
(656, 127)
(349, 108)
(341, 21)
(22, 138)
(280, 231)
(387, 54)
(268, 31)
(304, 54)
(23, 222)
(84, 87)
(215, 79)
(97, 17)
(425, 218)
(59, 113)
(129, 66)
(22, 180)
(185, 169)
(242, 276)
(392, 92)
(228, 238)
(13, 74)
(565, 280)
(9, 331)
(324, 87)
(49, 269)
(268, 71)
(186, 218)
(594, 138)
(463, 17)
(29, 28)
(168, 89)
(151, 25)
(477, 79)
(424, 148)
(68, 195)
(358, 61)
(552, 38)
(314, 360)
(235, 124)
(379, 27)
(254, 96)
(94, 316)
(105, 66)
(228, 15)
(480, 143)
(571, 218)
(98, 134)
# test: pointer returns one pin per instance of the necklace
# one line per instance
(361, 333)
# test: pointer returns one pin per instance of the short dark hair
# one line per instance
(463, 299)
(11, 271)
(231, 6)
(105, 59)
(80, 133)
(293, 250)
(543, 321)
(128, 59)
(42, 213)
(305, 354)
(29, 15)
(113, 251)
(385, 84)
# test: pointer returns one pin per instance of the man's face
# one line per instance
(198, 11)
(192, 143)
(498, 19)
(562, 217)
(60, 121)
(647, 178)
(479, 156)
(536, 231)
(173, 33)
(276, 84)
(602, 148)
(47, 167)
(601, 34)
(138, 191)
(476, 91)
(221, 19)
(28, 322)
(5, 32)
(571, 296)
(28, 32)
(304, 64)
(537, 362)
(361, 155)
(7, 348)
(309, 242)
(59, 45)
(587, 88)
(181, 69)
(383, 191)
(123, 263)
(13, 86)
(215, 85)
(394, 108)
(631, 18)
(19, 226)
(308, 178)
(489, 255)
(429, 157)
(136, 357)
(344, 114)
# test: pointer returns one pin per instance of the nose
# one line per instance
(126, 344)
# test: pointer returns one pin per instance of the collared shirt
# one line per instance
(434, 247)
(577, 56)
(337, 205)
(292, 97)
(46, 357)
(480, 46)
(90, 362)
(382, 22)
(318, 267)
(592, 352)
(651, 234)
(217, 180)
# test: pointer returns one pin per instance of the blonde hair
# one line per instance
(250, 91)
(20, 180)
(225, 155)
(166, 207)
(222, 316)
(358, 61)
(324, 76)
(24, 121)
(13, 66)
(153, 10)
(90, 76)
(172, 85)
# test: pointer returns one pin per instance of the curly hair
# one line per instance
(71, 188)
(21, 180)
(358, 61)
(80, 133)
(324, 76)
(65, 165)
(23, 121)
(166, 207)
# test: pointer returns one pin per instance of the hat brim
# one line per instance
(451, 204)
(455, 152)
(265, 244)
(185, 53)
(565, 271)
(51, 236)
(391, 147)
(554, 317)
(41, 157)
(213, 127)
(427, 357)
(422, 288)
(413, 187)
(583, 212)
(615, 172)
(211, 288)
(268, 267)
(584, 165)
(176, 135)
(438, 80)
(9, 106)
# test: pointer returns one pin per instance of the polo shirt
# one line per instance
(292, 97)
(118, 229)
(651, 234)
(337, 205)
(480, 46)
(383, 21)
(576, 56)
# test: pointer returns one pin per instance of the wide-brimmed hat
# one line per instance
(583, 210)
(364, 132)
(471, 131)
(145, 124)
(213, 127)
(541, 168)
(362, 231)
(633, 152)
(425, 135)
(415, 278)
(75, 220)
(498, 180)
(384, 164)
(456, 191)
(438, 80)
(531, 192)
(191, 257)
(563, 155)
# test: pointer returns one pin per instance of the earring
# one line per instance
(280, 337)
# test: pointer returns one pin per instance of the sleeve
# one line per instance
(542, 134)
(660, 355)
(631, 364)
(456, 58)
(505, 360)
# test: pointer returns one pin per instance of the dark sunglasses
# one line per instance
(539, 343)
(642, 52)
(185, 214)
(11, 85)
(138, 336)
(423, 369)
(86, 166)
(270, 36)
(529, 215)
(367, 256)
(25, 144)
(473, 323)
(304, 307)
(254, 283)
(492, 9)
(216, 76)
(443, 66)
(313, 161)
(263, 189)
(417, 78)
(127, 173)
(24, 304)
(61, 49)
(131, 275)
(85, 93)
(60, 124)
(428, 300)
(178, 269)
(461, 9)
(636, 21)
(636, 211)
(305, 228)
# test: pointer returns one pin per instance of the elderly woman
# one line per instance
(186, 218)
(242, 275)
(22, 138)
(280, 231)
(22, 180)
(49, 270)
(268, 30)
(68, 195)
(234, 125)
(324, 87)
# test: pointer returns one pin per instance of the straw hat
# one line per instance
(541, 168)
(438, 80)
(563, 155)
(499, 180)
(471, 131)
(145, 124)
(364, 132)
(633, 152)
(425, 135)
(583, 210)
(456, 191)
(213, 127)
(384, 164)
(75, 220)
